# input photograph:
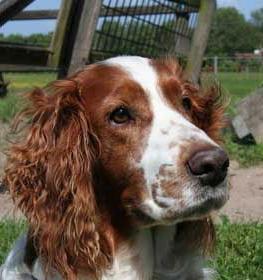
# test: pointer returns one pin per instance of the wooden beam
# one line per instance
(36, 15)
(63, 37)
(9, 8)
(25, 68)
(23, 54)
(84, 34)
(145, 10)
(199, 41)
(138, 11)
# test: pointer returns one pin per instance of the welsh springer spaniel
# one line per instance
(118, 172)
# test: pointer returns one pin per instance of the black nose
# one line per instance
(209, 166)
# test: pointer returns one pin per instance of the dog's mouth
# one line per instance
(171, 211)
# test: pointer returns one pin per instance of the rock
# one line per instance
(249, 120)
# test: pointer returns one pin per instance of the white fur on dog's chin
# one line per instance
(169, 131)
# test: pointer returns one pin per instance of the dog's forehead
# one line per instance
(143, 72)
(139, 69)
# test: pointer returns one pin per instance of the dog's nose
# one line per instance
(209, 166)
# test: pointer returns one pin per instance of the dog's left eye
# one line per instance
(187, 103)
(120, 115)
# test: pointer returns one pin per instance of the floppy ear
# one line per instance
(49, 175)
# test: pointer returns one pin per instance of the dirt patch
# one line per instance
(246, 194)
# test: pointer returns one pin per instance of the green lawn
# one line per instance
(234, 85)
(9, 231)
(19, 83)
(239, 251)
(239, 85)
(238, 254)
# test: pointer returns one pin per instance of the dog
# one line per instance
(117, 174)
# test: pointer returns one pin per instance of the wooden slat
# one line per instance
(9, 8)
(138, 11)
(36, 15)
(146, 10)
(200, 38)
(84, 34)
(23, 54)
(61, 45)
(25, 68)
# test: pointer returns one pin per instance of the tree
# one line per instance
(34, 39)
(257, 19)
(231, 33)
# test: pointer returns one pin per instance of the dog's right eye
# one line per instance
(120, 115)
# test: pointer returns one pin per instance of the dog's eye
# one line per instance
(187, 104)
(120, 115)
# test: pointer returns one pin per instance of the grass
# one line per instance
(239, 251)
(239, 85)
(9, 231)
(235, 85)
(238, 254)
(26, 81)
(20, 83)
(246, 154)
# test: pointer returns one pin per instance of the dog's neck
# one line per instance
(133, 259)
(152, 253)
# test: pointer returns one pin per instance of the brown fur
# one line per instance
(76, 215)
(49, 176)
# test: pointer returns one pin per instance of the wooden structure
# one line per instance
(90, 30)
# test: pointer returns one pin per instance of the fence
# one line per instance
(154, 28)
(249, 63)
(90, 30)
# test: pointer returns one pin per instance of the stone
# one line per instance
(249, 119)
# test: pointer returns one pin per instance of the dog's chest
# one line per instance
(143, 259)
(154, 255)
(133, 260)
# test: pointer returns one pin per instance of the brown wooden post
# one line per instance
(71, 42)
(9, 8)
(200, 38)
(61, 36)
(84, 36)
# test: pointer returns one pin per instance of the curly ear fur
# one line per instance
(208, 109)
(49, 177)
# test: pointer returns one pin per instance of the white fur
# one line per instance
(135, 261)
(169, 131)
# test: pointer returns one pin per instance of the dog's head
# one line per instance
(128, 138)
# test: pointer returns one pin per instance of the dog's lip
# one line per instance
(210, 200)
(200, 209)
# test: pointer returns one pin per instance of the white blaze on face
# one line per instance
(169, 128)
